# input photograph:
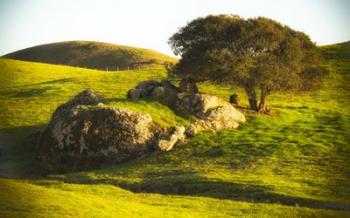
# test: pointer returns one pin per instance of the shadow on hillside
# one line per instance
(201, 187)
(232, 191)
(173, 180)
(34, 92)
(17, 149)
(57, 81)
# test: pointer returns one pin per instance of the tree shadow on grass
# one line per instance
(160, 174)
(34, 92)
(190, 184)
(176, 181)
(57, 81)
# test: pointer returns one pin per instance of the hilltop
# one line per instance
(339, 51)
(294, 164)
(91, 54)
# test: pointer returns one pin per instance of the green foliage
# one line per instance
(294, 164)
(94, 55)
(253, 53)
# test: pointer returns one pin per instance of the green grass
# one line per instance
(294, 164)
(30, 92)
(93, 55)
(53, 199)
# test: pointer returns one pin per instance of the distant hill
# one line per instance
(91, 54)
(336, 51)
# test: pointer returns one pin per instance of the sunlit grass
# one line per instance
(70, 200)
(293, 164)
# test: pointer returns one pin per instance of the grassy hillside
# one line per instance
(340, 51)
(295, 164)
(94, 55)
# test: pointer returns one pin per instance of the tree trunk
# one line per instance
(253, 103)
(262, 104)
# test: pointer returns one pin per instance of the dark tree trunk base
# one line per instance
(253, 103)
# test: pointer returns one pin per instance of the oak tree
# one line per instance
(257, 54)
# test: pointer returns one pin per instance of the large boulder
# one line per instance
(225, 117)
(85, 131)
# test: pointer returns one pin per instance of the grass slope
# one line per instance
(291, 165)
(94, 55)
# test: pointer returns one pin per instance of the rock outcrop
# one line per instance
(199, 104)
(169, 139)
(213, 113)
(225, 117)
(134, 94)
(85, 130)
(162, 90)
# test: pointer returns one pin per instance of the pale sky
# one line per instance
(150, 23)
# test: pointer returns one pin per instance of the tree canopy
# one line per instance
(257, 53)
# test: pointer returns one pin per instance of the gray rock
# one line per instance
(90, 133)
(86, 97)
(199, 104)
(148, 85)
(164, 91)
(158, 92)
(226, 117)
(134, 94)
(171, 92)
(170, 139)
(168, 85)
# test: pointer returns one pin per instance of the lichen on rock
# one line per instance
(226, 117)
(84, 132)
(84, 129)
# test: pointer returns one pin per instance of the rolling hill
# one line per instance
(339, 51)
(294, 164)
(94, 55)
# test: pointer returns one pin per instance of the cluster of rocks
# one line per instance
(162, 90)
(85, 131)
(198, 104)
(213, 113)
